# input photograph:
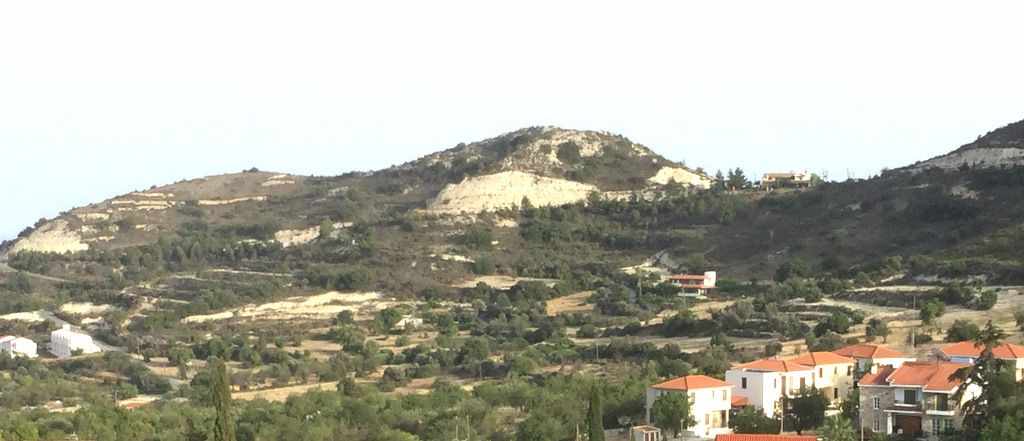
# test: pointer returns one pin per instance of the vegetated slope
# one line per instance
(1000, 147)
(548, 166)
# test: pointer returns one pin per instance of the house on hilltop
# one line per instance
(785, 179)
(695, 284)
(710, 401)
(915, 399)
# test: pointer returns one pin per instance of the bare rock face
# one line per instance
(52, 237)
(1000, 147)
(507, 189)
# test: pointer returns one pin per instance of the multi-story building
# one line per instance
(19, 346)
(968, 352)
(64, 343)
(868, 355)
(710, 401)
(695, 284)
(833, 374)
(764, 382)
(915, 399)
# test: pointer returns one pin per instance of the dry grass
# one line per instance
(571, 303)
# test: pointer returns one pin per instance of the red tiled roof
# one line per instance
(745, 437)
(929, 376)
(775, 366)
(878, 378)
(738, 401)
(971, 349)
(816, 358)
(869, 351)
(687, 277)
(691, 382)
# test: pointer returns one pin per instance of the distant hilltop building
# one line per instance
(786, 179)
(695, 284)
(64, 343)
(18, 346)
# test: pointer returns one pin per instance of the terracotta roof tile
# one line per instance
(738, 401)
(970, 349)
(746, 437)
(878, 378)
(816, 358)
(774, 366)
(691, 382)
(869, 351)
(929, 376)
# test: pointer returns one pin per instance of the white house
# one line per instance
(764, 382)
(869, 355)
(710, 402)
(968, 352)
(915, 399)
(409, 322)
(695, 284)
(19, 346)
(833, 374)
(64, 343)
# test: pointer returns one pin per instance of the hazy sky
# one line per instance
(99, 98)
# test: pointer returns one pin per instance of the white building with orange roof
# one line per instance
(914, 400)
(868, 355)
(710, 402)
(764, 382)
(833, 374)
(968, 352)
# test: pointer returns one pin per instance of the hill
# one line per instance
(1000, 147)
(545, 165)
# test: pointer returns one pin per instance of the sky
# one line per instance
(101, 98)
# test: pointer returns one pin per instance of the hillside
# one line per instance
(1000, 147)
(523, 265)
(546, 165)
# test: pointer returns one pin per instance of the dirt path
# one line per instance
(4, 268)
(571, 303)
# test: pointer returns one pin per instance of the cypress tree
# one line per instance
(595, 429)
(224, 425)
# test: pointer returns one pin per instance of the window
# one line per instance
(849, 370)
(835, 370)
(835, 393)
(821, 372)
(803, 383)
(936, 425)
(876, 402)
(909, 397)
(744, 382)
(878, 423)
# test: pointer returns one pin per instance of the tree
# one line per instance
(878, 328)
(737, 179)
(807, 410)
(1007, 428)
(220, 394)
(962, 330)
(672, 412)
(595, 416)
(751, 420)
(838, 428)
(931, 310)
(326, 229)
(984, 373)
(1019, 317)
